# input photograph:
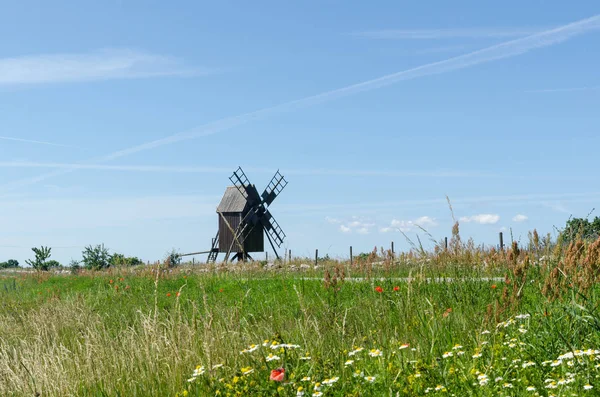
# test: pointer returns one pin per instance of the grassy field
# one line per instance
(226, 331)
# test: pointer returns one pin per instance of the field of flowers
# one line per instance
(452, 328)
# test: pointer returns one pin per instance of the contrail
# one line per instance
(8, 138)
(220, 170)
(496, 52)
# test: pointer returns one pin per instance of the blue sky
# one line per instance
(120, 122)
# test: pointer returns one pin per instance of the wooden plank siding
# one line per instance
(253, 243)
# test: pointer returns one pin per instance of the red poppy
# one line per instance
(178, 293)
(277, 374)
(379, 289)
(221, 290)
(494, 286)
(168, 294)
(396, 288)
(447, 312)
(110, 282)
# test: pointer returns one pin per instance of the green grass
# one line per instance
(128, 333)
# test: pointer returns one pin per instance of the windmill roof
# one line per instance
(232, 201)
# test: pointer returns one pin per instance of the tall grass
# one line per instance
(143, 331)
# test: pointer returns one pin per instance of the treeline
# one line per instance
(9, 264)
(93, 258)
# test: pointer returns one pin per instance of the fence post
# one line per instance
(290, 253)
(501, 242)
(350, 256)
(392, 248)
(193, 261)
(316, 257)
(266, 256)
(446, 243)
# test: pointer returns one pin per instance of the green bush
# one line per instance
(96, 258)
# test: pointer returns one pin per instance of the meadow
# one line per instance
(466, 320)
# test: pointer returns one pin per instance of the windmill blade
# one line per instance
(275, 231)
(240, 181)
(243, 185)
(273, 189)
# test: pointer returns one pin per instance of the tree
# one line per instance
(41, 256)
(96, 258)
(583, 228)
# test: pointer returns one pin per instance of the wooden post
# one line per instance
(446, 243)
(193, 261)
(350, 256)
(392, 248)
(266, 256)
(316, 257)
(501, 242)
(290, 253)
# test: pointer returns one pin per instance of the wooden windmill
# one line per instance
(245, 219)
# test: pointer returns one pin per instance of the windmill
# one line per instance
(244, 219)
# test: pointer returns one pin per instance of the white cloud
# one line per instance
(484, 219)
(331, 220)
(345, 229)
(520, 218)
(363, 230)
(407, 226)
(465, 33)
(96, 65)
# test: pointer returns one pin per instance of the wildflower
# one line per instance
(331, 381)
(110, 281)
(456, 347)
(349, 362)
(530, 388)
(483, 379)
(247, 370)
(199, 370)
(317, 394)
(356, 350)
(404, 346)
(447, 354)
(266, 343)
(485, 332)
(522, 316)
(127, 287)
(522, 330)
(305, 379)
(440, 388)
(220, 289)
(370, 379)
(494, 286)
(216, 366)
(300, 392)
(375, 353)
(588, 387)
(507, 385)
(168, 294)
(417, 375)
(272, 357)
(477, 355)
(307, 357)
(277, 375)
(396, 288)
(528, 364)
(498, 379)
(447, 312)
(379, 289)
(556, 363)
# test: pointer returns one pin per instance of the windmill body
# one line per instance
(234, 208)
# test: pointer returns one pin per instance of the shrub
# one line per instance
(173, 259)
(96, 258)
